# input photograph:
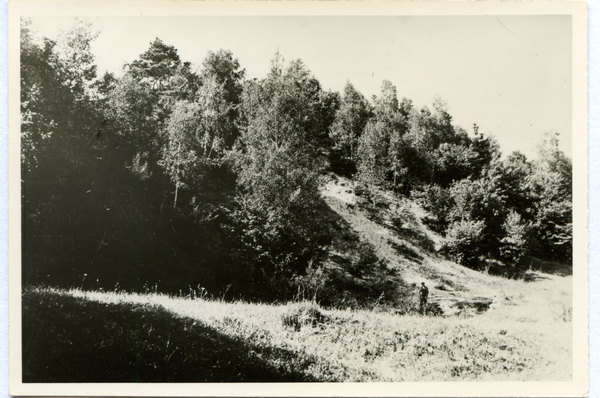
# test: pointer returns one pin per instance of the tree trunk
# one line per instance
(177, 175)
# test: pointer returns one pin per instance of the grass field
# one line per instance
(77, 336)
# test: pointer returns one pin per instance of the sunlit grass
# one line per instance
(305, 342)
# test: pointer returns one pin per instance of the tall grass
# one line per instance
(78, 336)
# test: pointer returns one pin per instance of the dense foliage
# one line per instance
(173, 178)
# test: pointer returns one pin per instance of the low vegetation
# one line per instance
(87, 336)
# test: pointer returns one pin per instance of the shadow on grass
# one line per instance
(530, 269)
(406, 252)
(549, 267)
(68, 340)
(416, 237)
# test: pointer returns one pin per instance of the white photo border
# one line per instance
(578, 10)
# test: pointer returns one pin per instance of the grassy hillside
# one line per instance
(393, 226)
(492, 328)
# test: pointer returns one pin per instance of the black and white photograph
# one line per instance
(357, 198)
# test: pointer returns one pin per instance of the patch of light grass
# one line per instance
(360, 345)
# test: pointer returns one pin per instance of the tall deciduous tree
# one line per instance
(58, 150)
(551, 185)
(386, 162)
(278, 163)
(199, 132)
(350, 121)
(225, 70)
(387, 108)
(373, 153)
(74, 50)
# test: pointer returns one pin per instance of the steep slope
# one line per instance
(393, 226)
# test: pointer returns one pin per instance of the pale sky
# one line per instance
(511, 75)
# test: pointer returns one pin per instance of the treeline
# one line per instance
(488, 208)
(174, 178)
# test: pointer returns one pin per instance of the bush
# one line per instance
(362, 191)
(307, 313)
(437, 201)
(367, 262)
(464, 242)
(340, 164)
(514, 246)
(310, 285)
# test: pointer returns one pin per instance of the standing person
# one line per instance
(423, 294)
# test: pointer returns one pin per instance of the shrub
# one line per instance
(309, 286)
(362, 191)
(367, 261)
(464, 239)
(514, 246)
(405, 251)
(437, 201)
(307, 313)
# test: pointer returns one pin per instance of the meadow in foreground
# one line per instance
(83, 336)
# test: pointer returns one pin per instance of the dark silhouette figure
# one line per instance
(423, 294)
